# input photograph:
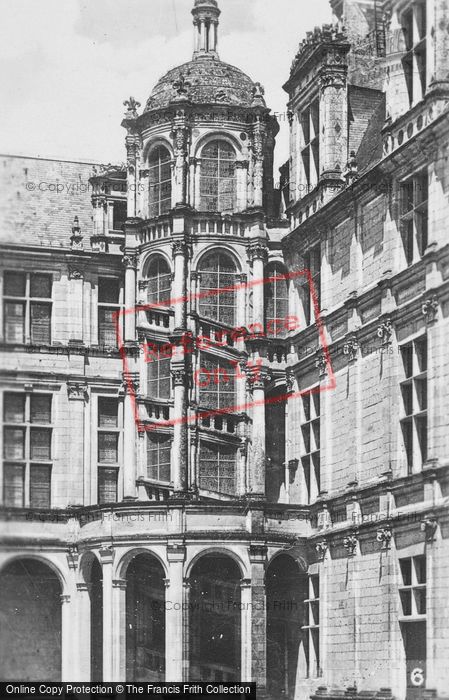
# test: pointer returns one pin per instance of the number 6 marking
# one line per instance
(417, 676)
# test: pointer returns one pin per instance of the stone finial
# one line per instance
(131, 108)
(351, 173)
(76, 239)
(258, 95)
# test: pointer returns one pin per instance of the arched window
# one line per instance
(159, 281)
(276, 301)
(160, 181)
(217, 187)
(217, 276)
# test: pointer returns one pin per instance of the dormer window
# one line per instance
(414, 61)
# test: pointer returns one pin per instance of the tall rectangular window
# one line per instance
(216, 381)
(108, 435)
(412, 593)
(27, 450)
(27, 307)
(158, 456)
(217, 468)
(414, 221)
(414, 61)
(413, 388)
(311, 629)
(159, 372)
(310, 445)
(108, 306)
(311, 286)
(310, 151)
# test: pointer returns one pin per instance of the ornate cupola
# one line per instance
(205, 22)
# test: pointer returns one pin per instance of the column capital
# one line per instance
(384, 535)
(76, 272)
(258, 553)
(351, 348)
(180, 247)
(179, 376)
(385, 331)
(321, 548)
(245, 583)
(350, 543)
(321, 363)
(130, 382)
(119, 583)
(64, 599)
(77, 392)
(107, 554)
(83, 587)
(430, 309)
(258, 251)
(176, 552)
(129, 261)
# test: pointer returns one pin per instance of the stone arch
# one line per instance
(127, 557)
(147, 259)
(217, 135)
(156, 142)
(286, 591)
(145, 617)
(53, 565)
(30, 619)
(219, 248)
(215, 617)
(217, 550)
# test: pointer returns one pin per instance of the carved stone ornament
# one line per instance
(179, 248)
(77, 392)
(385, 331)
(129, 261)
(430, 309)
(350, 543)
(258, 251)
(72, 556)
(333, 79)
(131, 382)
(179, 377)
(321, 548)
(384, 535)
(429, 527)
(351, 348)
(131, 107)
(75, 273)
(76, 239)
(321, 364)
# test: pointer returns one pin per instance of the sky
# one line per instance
(68, 65)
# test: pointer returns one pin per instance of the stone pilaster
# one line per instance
(258, 557)
(174, 627)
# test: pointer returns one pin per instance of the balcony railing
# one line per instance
(217, 224)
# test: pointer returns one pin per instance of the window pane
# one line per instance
(108, 290)
(14, 408)
(406, 571)
(40, 408)
(217, 468)
(40, 286)
(40, 480)
(14, 322)
(420, 569)
(14, 284)
(40, 444)
(106, 327)
(158, 457)
(159, 375)
(107, 412)
(14, 443)
(40, 323)
(13, 485)
(107, 485)
(108, 448)
(216, 381)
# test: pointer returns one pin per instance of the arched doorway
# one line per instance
(30, 622)
(145, 619)
(286, 589)
(214, 625)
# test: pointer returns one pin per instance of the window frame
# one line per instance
(28, 302)
(310, 441)
(109, 306)
(279, 303)
(413, 387)
(311, 630)
(414, 60)
(309, 121)
(212, 306)
(414, 215)
(159, 205)
(107, 466)
(27, 461)
(219, 449)
(159, 438)
(219, 200)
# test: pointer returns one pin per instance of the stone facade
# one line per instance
(292, 475)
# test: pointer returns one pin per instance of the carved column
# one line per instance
(76, 280)
(76, 394)
(258, 556)
(257, 378)
(82, 632)
(180, 442)
(258, 255)
(106, 559)
(67, 639)
(246, 647)
(130, 263)
(258, 150)
(180, 135)
(241, 171)
(174, 628)
(119, 630)
(132, 158)
(436, 358)
(333, 116)
(130, 415)
(179, 288)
